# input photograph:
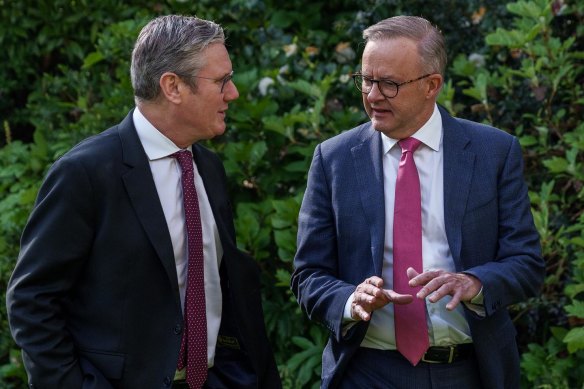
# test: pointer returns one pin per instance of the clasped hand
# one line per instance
(436, 284)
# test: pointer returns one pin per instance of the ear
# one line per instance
(171, 87)
(434, 85)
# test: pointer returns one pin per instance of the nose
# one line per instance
(375, 94)
(230, 92)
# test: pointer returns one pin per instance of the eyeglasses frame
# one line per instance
(224, 80)
(373, 81)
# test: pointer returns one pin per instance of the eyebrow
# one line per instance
(385, 78)
(218, 78)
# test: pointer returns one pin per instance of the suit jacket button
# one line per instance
(178, 328)
(167, 381)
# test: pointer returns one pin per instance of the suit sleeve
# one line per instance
(517, 272)
(315, 279)
(54, 244)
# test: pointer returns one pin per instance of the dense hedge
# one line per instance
(518, 66)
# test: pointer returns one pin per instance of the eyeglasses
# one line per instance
(388, 88)
(223, 80)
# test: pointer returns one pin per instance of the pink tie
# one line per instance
(193, 349)
(411, 331)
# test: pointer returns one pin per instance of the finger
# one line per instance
(451, 287)
(364, 298)
(398, 298)
(360, 313)
(370, 287)
(429, 290)
(424, 277)
(369, 301)
(375, 281)
(430, 282)
(411, 273)
(450, 284)
(452, 304)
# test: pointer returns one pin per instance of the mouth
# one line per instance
(380, 112)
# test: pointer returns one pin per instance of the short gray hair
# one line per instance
(431, 47)
(174, 44)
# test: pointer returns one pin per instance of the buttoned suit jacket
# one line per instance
(489, 228)
(94, 300)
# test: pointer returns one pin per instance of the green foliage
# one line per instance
(306, 364)
(545, 366)
(542, 72)
(517, 66)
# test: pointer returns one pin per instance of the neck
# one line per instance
(160, 117)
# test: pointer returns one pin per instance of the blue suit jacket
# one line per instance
(489, 227)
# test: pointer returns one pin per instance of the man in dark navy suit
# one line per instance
(96, 299)
(414, 284)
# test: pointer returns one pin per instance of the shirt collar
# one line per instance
(429, 134)
(155, 144)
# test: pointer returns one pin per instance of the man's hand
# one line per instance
(440, 283)
(370, 296)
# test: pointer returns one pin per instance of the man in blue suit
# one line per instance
(100, 292)
(478, 247)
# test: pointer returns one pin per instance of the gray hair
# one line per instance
(431, 47)
(174, 44)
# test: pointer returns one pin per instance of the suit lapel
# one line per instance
(144, 198)
(367, 160)
(458, 171)
(213, 182)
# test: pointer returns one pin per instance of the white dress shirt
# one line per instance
(445, 327)
(167, 178)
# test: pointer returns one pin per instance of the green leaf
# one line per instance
(283, 19)
(528, 9)
(575, 339)
(283, 278)
(305, 371)
(286, 241)
(556, 164)
(575, 309)
(92, 59)
(302, 342)
(528, 140)
(257, 152)
(558, 332)
(573, 290)
(507, 38)
(305, 87)
(301, 357)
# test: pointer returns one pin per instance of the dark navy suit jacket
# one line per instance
(489, 228)
(94, 299)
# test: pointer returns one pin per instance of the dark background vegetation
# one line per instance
(64, 76)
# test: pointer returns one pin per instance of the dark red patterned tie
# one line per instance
(193, 350)
(411, 331)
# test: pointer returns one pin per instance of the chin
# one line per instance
(210, 134)
(380, 126)
(219, 131)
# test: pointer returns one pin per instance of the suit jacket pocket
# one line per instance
(111, 365)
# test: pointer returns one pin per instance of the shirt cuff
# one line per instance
(347, 313)
(476, 304)
(348, 321)
(478, 299)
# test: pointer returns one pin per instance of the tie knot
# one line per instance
(184, 158)
(409, 144)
